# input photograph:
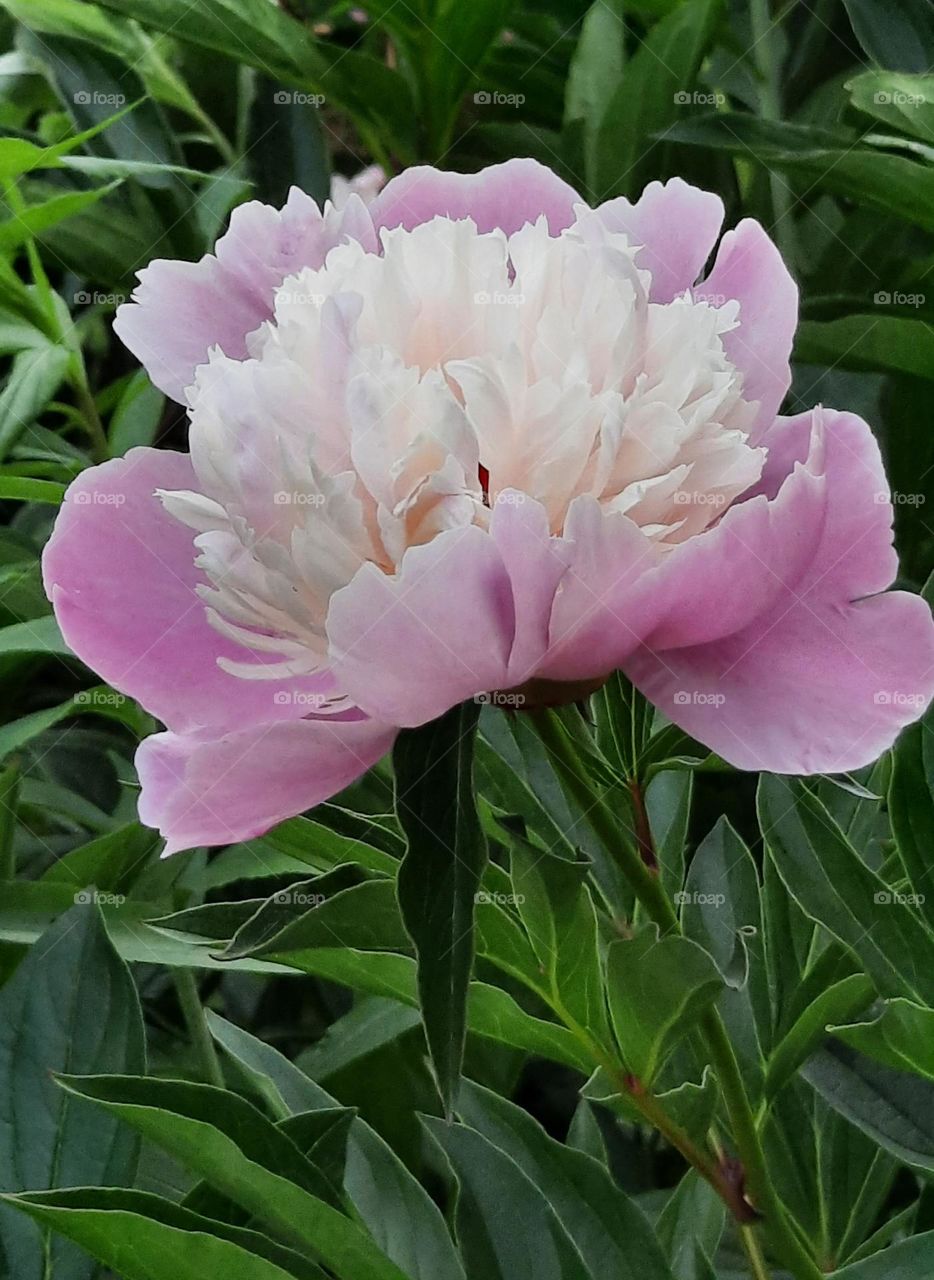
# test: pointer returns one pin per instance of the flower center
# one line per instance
(398, 395)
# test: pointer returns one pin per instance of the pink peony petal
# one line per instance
(217, 791)
(121, 575)
(504, 196)
(180, 310)
(824, 678)
(408, 647)
(749, 268)
(677, 226)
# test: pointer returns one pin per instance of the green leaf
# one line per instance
(342, 908)
(36, 219)
(895, 1109)
(911, 807)
(595, 71)
(658, 988)
(399, 1213)
(868, 342)
(31, 384)
(145, 1237)
(26, 489)
(648, 100)
(261, 35)
(833, 885)
(690, 1227)
(232, 1164)
(843, 1000)
(71, 1005)
(907, 1260)
(440, 876)
(832, 160)
(721, 912)
(898, 35)
(611, 1234)
(137, 414)
(372, 1023)
(506, 1227)
(558, 913)
(902, 1036)
(107, 862)
(903, 101)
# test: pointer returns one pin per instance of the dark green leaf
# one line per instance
(440, 876)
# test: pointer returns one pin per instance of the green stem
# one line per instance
(770, 108)
(753, 1250)
(201, 1038)
(100, 446)
(659, 908)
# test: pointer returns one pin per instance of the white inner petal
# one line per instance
(394, 396)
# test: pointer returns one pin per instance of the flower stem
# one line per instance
(192, 1010)
(756, 1193)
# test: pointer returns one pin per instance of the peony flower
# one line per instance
(367, 184)
(477, 437)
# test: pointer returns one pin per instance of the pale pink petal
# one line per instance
(598, 618)
(213, 791)
(749, 268)
(121, 575)
(535, 563)
(504, 196)
(676, 226)
(180, 310)
(824, 678)
(408, 647)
